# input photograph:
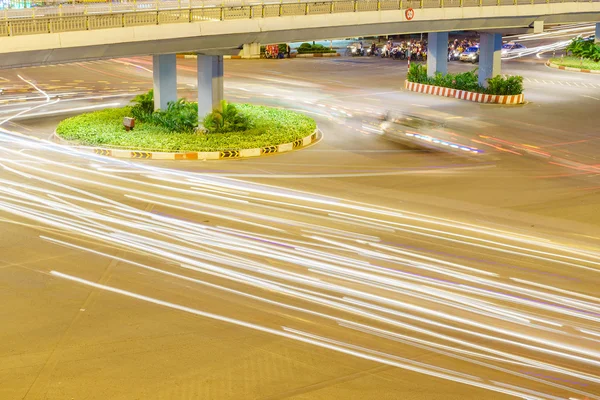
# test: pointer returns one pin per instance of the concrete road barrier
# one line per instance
(587, 71)
(200, 155)
(463, 94)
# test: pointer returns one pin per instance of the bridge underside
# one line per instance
(222, 37)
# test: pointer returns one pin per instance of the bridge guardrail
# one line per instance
(108, 15)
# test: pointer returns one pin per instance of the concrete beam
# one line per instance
(164, 74)
(437, 53)
(490, 56)
(211, 37)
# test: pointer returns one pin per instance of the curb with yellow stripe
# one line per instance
(200, 155)
(587, 71)
(463, 94)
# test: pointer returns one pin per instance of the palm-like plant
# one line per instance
(143, 106)
(226, 118)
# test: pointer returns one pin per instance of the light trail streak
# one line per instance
(244, 324)
(327, 263)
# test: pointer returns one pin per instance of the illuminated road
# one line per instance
(354, 269)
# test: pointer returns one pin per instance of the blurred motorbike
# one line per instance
(354, 51)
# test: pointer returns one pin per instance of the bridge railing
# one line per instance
(54, 16)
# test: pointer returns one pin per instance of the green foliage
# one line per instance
(417, 73)
(467, 81)
(180, 116)
(584, 48)
(576, 62)
(512, 85)
(143, 106)
(227, 118)
(442, 80)
(269, 127)
(307, 48)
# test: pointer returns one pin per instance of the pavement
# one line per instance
(354, 269)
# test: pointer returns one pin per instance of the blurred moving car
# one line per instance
(508, 48)
(418, 133)
(471, 54)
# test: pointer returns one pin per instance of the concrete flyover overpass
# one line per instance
(67, 33)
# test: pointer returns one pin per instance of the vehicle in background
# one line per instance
(508, 48)
(372, 50)
(355, 49)
(471, 54)
(453, 55)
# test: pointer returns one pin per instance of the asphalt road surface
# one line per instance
(354, 269)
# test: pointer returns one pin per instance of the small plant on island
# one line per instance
(307, 48)
(227, 118)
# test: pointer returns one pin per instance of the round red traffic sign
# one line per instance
(409, 13)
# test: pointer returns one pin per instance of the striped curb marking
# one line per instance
(103, 152)
(464, 95)
(199, 155)
(141, 154)
(588, 71)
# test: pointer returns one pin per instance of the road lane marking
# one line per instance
(590, 97)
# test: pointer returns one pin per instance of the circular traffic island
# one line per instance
(241, 130)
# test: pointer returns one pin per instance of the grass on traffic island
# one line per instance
(267, 127)
(576, 62)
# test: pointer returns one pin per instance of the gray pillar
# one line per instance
(210, 83)
(217, 81)
(490, 56)
(251, 50)
(597, 39)
(437, 53)
(164, 73)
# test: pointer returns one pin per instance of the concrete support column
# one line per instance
(437, 53)
(597, 39)
(210, 83)
(251, 50)
(490, 56)
(164, 73)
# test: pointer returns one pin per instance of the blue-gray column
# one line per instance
(164, 72)
(437, 53)
(210, 83)
(597, 39)
(490, 56)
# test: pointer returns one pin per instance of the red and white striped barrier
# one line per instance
(464, 95)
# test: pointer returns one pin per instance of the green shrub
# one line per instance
(314, 48)
(468, 81)
(143, 106)
(584, 48)
(304, 47)
(226, 119)
(443, 80)
(499, 85)
(417, 73)
(180, 116)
